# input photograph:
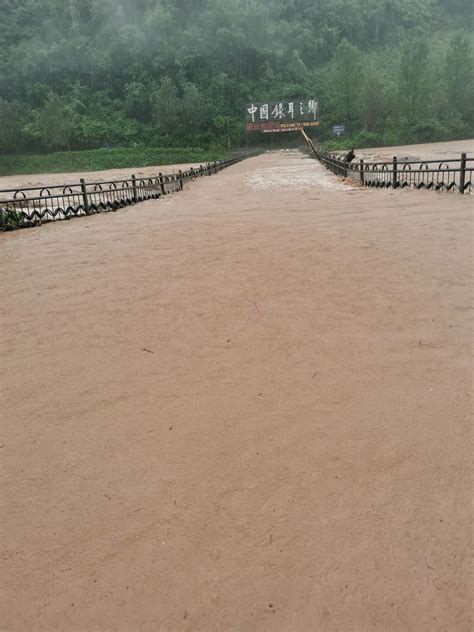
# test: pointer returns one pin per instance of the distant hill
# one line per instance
(93, 73)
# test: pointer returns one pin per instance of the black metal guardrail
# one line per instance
(445, 175)
(21, 208)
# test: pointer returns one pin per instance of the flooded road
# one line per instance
(241, 407)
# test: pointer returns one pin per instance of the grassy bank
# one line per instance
(99, 159)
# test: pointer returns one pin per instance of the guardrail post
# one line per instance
(362, 170)
(135, 192)
(395, 173)
(462, 173)
(85, 197)
(162, 183)
(180, 176)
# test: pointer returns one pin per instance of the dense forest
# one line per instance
(80, 74)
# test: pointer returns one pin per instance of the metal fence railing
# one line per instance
(20, 208)
(436, 175)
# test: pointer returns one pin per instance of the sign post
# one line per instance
(282, 116)
(337, 130)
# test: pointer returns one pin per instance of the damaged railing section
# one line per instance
(20, 208)
(445, 175)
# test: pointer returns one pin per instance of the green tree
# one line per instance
(137, 100)
(415, 96)
(166, 107)
(460, 78)
(56, 122)
(193, 111)
(376, 104)
(347, 82)
(10, 129)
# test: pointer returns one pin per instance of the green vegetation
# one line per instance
(99, 159)
(9, 219)
(85, 74)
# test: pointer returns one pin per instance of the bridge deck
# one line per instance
(243, 407)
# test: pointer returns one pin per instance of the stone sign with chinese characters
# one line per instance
(282, 116)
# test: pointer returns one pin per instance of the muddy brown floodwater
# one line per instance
(245, 407)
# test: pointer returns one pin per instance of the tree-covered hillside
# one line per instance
(88, 73)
